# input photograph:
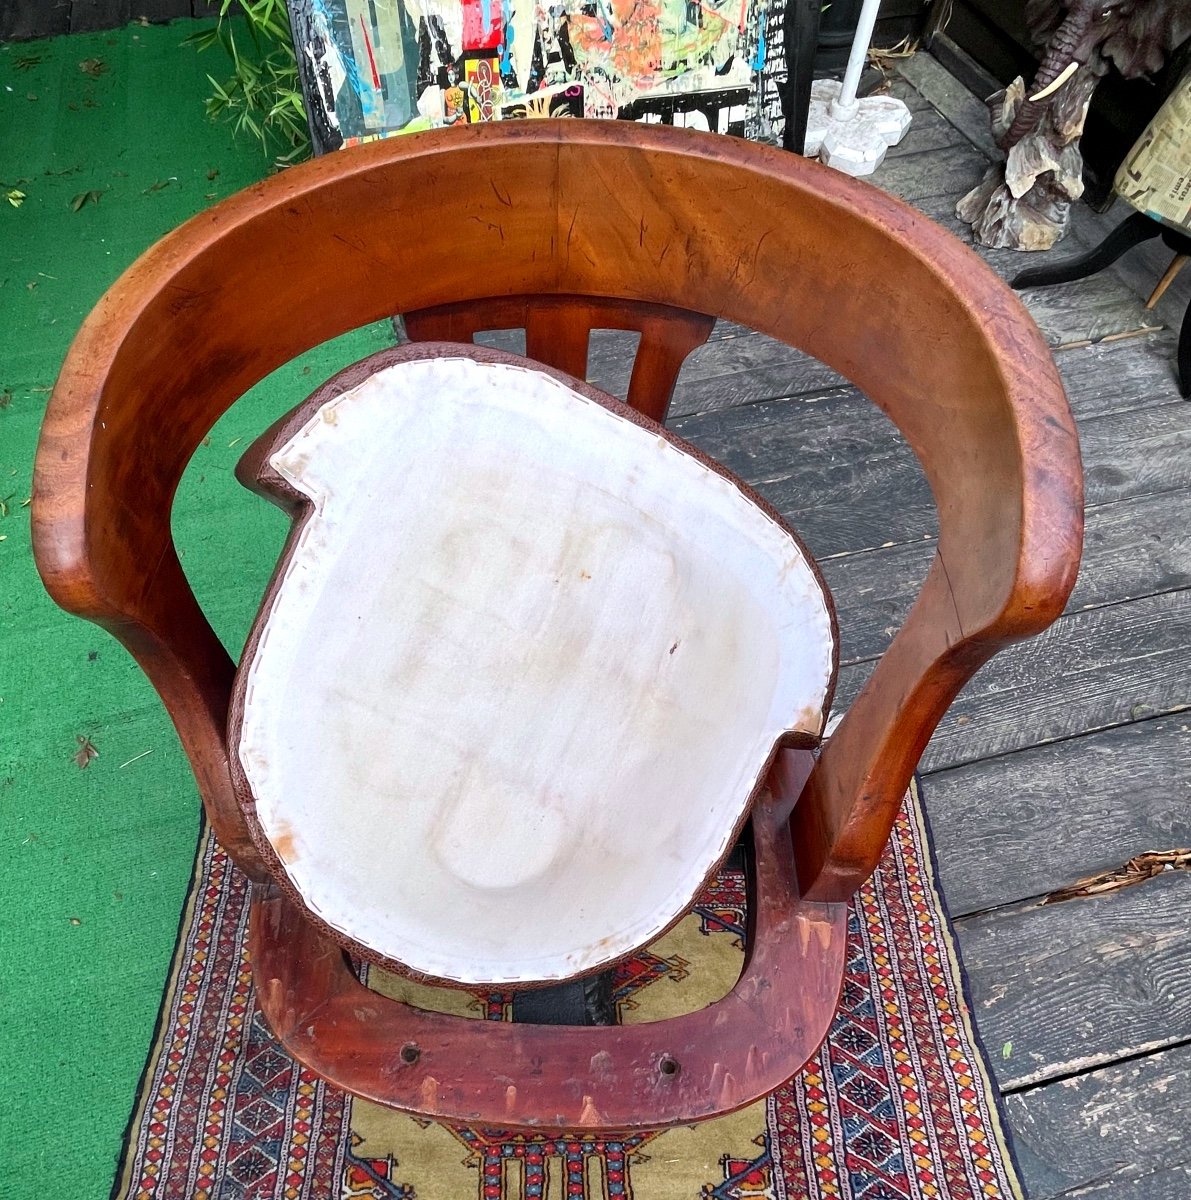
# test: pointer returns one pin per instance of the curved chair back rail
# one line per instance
(603, 210)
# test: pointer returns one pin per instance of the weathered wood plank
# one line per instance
(1142, 267)
(736, 366)
(929, 130)
(815, 458)
(159, 11)
(745, 369)
(836, 467)
(902, 89)
(1021, 825)
(89, 15)
(1091, 670)
(1087, 310)
(1115, 1134)
(967, 113)
(1069, 987)
(947, 172)
(1137, 452)
(1112, 376)
(1162, 1183)
(1109, 376)
(1100, 306)
(23, 20)
(610, 355)
(1133, 548)
(873, 593)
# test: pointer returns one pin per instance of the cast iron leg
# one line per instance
(579, 1002)
(1131, 232)
(802, 36)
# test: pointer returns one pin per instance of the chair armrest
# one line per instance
(845, 813)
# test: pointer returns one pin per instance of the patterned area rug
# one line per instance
(897, 1105)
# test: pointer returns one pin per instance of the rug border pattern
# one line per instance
(901, 905)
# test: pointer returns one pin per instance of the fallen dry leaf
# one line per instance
(86, 751)
(83, 198)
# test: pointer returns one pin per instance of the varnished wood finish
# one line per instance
(558, 330)
(515, 1076)
(645, 214)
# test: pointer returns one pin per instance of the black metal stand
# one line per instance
(802, 36)
(1131, 232)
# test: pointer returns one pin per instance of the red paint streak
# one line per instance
(477, 35)
(371, 60)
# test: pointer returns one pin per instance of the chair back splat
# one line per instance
(561, 228)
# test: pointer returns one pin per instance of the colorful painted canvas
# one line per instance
(372, 68)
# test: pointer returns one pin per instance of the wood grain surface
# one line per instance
(1119, 1133)
(1114, 795)
(1064, 988)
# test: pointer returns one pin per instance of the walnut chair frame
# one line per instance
(561, 228)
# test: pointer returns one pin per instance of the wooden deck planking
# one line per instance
(1091, 670)
(1119, 1133)
(994, 821)
(874, 589)
(833, 463)
(929, 131)
(947, 172)
(744, 369)
(1061, 989)
(968, 113)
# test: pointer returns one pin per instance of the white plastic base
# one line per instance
(853, 144)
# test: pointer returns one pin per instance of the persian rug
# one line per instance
(897, 1105)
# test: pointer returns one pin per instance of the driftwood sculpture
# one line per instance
(1024, 202)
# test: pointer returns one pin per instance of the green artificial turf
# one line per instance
(94, 861)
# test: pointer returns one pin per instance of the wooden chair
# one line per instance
(562, 228)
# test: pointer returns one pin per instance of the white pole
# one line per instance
(844, 105)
